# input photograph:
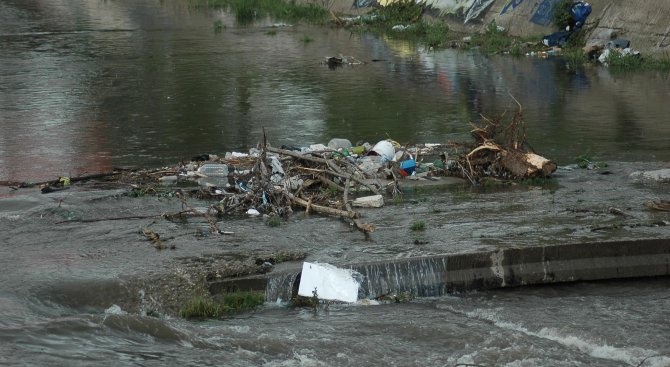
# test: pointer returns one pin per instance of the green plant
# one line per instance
(516, 50)
(560, 13)
(315, 299)
(247, 11)
(306, 39)
(242, 301)
(663, 62)
(494, 39)
(273, 221)
(418, 226)
(620, 62)
(574, 57)
(201, 308)
(401, 12)
(587, 162)
(331, 191)
(435, 35)
(218, 25)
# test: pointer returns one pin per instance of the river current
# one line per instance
(89, 85)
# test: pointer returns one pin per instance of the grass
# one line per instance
(273, 221)
(493, 39)
(418, 226)
(248, 11)
(331, 192)
(586, 161)
(402, 12)
(219, 26)
(574, 58)
(306, 39)
(201, 308)
(408, 14)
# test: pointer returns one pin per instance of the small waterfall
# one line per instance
(421, 277)
(441, 274)
(282, 286)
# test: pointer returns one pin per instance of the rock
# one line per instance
(374, 201)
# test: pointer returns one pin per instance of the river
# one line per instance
(89, 85)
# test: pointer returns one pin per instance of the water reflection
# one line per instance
(109, 83)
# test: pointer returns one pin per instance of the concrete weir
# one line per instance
(509, 267)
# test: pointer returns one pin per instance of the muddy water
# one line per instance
(89, 85)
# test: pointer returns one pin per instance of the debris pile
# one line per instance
(328, 179)
(502, 152)
(333, 179)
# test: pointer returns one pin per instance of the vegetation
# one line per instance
(248, 11)
(544, 182)
(306, 39)
(309, 302)
(218, 26)
(493, 39)
(619, 62)
(403, 20)
(273, 221)
(201, 308)
(586, 161)
(561, 15)
(574, 58)
(418, 226)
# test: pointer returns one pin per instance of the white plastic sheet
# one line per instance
(330, 282)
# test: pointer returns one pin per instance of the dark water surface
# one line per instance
(89, 85)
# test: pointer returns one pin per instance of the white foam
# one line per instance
(630, 355)
(242, 329)
(115, 310)
(300, 358)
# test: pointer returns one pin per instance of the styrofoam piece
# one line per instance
(374, 201)
(330, 282)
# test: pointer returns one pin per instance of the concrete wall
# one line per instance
(645, 23)
(509, 267)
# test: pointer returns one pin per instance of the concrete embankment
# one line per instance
(645, 23)
(508, 267)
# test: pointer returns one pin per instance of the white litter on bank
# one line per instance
(330, 282)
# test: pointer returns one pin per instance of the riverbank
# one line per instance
(644, 24)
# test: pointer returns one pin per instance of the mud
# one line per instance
(60, 243)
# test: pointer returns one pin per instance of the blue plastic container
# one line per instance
(408, 166)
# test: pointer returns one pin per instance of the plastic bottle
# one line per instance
(214, 170)
(337, 143)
